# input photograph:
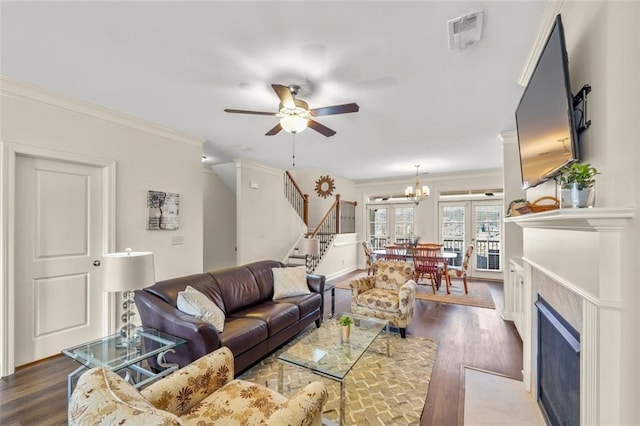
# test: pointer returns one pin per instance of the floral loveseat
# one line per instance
(202, 393)
(389, 294)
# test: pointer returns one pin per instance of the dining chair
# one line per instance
(427, 262)
(370, 257)
(395, 253)
(429, 245)
(461, 271)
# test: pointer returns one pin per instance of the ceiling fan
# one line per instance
(295, 115)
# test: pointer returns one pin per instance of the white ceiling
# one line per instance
(181, 63)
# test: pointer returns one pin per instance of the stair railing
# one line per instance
(298, 200)
(339, 219)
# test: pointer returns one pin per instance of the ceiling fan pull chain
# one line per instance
(293, 143)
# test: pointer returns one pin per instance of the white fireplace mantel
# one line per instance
(588, 264)
(597, 219)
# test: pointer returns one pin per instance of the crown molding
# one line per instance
(508, 137)
(552, 9)
(244, 163)
(21, 90)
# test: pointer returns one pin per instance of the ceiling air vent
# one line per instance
(465, 30)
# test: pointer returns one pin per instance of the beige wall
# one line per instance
(603, 46)
(603, 43)
(148, 157)
(267, 226)
(219, 223)
(318, 206)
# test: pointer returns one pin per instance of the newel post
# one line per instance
(305, 209)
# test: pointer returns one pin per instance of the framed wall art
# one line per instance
(163, 210)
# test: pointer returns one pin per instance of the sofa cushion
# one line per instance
(238, 403)
(168, 290)
(103, 397)
(289, 282)
(380, 299)
(306, 303)
(392, 275)
(192, 302)
(264, 276)
(238, 288)
(277, 316)
(242, 333)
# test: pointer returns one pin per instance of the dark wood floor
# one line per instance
(467, 336)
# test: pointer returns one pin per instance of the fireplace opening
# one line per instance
(558, 367)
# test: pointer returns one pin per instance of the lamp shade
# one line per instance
(309, 246)
(293, 123)
(127, 270)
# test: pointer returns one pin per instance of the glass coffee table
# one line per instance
(107, 352)
(324, 352)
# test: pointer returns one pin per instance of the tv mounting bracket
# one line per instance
(580, 107)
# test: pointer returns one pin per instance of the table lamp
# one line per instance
(310, 248)
(127, 271)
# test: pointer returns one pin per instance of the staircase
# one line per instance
(340, 218)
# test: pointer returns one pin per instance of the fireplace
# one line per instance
(558, 366)
(575, 259)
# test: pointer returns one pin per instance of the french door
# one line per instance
(389, 224)
(480, 221)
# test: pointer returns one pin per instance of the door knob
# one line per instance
(96, 263)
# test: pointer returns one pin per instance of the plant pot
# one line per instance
(571, 196)
(346, 332)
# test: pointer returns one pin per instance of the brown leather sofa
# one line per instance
(255, 324)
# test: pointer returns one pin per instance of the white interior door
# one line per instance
(58, 236)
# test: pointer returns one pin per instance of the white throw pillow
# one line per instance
(192, 302)
(289, 282)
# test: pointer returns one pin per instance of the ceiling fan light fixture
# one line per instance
(294, 123)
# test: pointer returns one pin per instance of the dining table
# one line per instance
(406, 254)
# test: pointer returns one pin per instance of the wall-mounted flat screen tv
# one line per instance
(547, 136)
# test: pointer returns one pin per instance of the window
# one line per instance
(388, 224)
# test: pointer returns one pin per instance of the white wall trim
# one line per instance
(242, 162)
(8, 153)
(508, 137)
(585, 295)
(553, 8)
(17, 89)
(404, 181)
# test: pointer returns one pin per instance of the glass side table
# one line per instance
(106, 352)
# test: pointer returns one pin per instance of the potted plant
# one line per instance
(345, 322)
(577, 185)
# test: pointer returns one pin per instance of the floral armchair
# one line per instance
(203, 392)
(389, 294)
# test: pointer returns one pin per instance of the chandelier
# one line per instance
(417, 192)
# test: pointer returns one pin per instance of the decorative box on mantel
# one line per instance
(575, 258)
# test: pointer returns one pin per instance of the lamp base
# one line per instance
(129, 336)
(129, 332)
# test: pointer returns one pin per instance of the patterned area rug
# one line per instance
(479, 293)
(379, 390)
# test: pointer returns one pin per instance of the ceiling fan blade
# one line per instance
(335, 109)
(274, 131)
(242, 111)
(321, 128)
(284, 93)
